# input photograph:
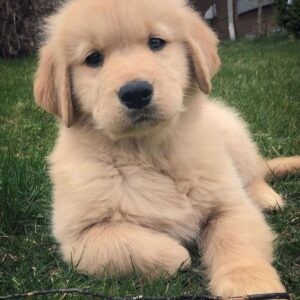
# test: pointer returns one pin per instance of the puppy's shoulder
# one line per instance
(215, 116)
(75, 148)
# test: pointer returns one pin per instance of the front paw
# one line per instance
(242, 281)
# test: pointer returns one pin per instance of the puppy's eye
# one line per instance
(95, 59)
(156, 44)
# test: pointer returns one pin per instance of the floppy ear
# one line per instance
(202, 45)
(52, 86)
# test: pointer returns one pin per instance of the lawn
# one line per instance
(261, 78)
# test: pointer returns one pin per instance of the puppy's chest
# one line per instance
(155, 197)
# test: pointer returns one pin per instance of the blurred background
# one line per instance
(231, 19)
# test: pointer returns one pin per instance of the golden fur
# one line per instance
(130, 195)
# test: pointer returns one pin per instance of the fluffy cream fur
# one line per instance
(131, 195)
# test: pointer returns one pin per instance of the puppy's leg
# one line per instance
(122, 248)
(250, 166)
(237, 250)
(264, 195)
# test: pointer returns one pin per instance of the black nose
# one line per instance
(136, 94)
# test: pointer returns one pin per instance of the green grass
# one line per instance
(261, 78)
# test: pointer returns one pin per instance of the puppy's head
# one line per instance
(126, 64)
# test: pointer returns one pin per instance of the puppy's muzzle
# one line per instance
(136, 94)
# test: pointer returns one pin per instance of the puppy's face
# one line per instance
(129, 66)
(126, 64)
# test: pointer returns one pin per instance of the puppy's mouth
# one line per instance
(147, 116)
(139, 123)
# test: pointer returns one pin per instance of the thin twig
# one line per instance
(104, 297)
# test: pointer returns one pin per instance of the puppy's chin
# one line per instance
(139, 129)
(135, 123)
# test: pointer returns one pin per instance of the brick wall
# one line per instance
(245, 24)
(201, 5)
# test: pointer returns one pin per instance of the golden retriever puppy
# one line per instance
(144, 163)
